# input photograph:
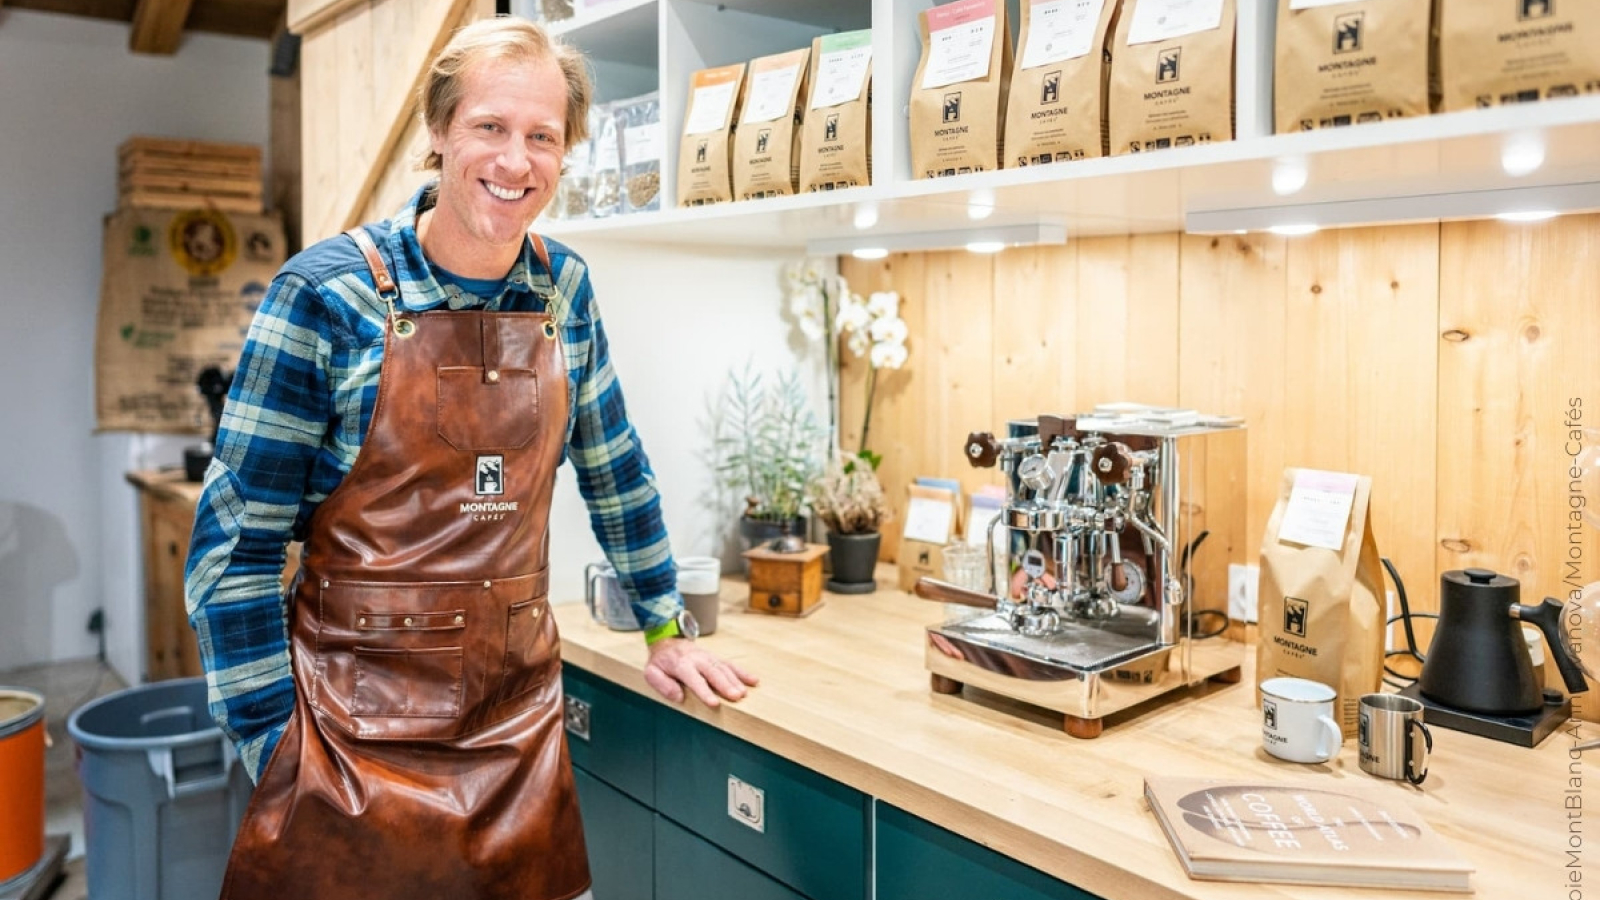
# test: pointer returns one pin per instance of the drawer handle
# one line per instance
(747, 804)
(774, 600)
(575, 716)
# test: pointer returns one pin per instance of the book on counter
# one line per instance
(1230, 830)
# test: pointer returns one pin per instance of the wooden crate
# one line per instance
(166, 173)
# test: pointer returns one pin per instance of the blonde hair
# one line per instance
(509, 39)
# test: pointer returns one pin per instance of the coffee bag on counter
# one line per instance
(1055, 106)
(1514, 51)
(1172, 74)
(766, 147)
(1321, 599)
(704, 173)
(836, 131)
(958, 95)
(1343, 62)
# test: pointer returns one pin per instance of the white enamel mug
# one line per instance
(1297, 720)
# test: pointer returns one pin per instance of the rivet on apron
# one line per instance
(492, 377)
(460, 618)
(325, 583)
(549, 329)
(487, 585)
(407, 620)
(362, 621)
(404, 328)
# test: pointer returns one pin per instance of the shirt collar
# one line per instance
(420, 291)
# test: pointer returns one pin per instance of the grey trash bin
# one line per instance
(163, 793)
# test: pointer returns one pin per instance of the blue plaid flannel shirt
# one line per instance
(295, 418)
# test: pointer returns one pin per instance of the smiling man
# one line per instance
(401, 405)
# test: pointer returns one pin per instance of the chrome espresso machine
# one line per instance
(1108, 575)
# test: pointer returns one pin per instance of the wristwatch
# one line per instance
(681, 625)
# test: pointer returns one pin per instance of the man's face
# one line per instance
(501, 153)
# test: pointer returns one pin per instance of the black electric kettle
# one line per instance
(1478, 661)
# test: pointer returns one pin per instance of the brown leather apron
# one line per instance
(425, 757)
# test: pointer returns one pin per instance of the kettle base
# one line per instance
(1524, 730)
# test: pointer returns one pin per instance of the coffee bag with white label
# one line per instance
(1343, 62)
(836, 131)
(958, 95)
(1055, 106)
(704, 172)
(1171, 74)
(1320, 601)
(766, 147)
(1494, 52)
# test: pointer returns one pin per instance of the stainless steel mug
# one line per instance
(607, 601)
(1394, 741)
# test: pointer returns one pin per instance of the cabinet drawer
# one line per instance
(620, 835)
(610, 733)
(918, 860)
(689, 868)
(803, 829)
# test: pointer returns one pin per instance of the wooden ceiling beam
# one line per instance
(158, 26)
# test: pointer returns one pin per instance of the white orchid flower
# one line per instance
(888, 328)
(884, 303)
(888, 355)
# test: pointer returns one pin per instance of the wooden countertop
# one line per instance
(844, 692)
(166, 484)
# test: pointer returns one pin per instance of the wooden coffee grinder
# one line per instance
(786, 583)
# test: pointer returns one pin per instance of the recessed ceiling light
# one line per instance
(1288, 175)
(1527, 215)
(870, 253)
(986, 246)
(1522, 154)
(1293, 230)
(866, 216)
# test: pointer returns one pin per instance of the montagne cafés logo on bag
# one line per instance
(1535, 9)
(1295, 613)
(1167, 65)
(1348, 33)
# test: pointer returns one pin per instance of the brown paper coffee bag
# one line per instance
(1343, 62)
(766, 146)
(1171, 74)
(704, 172)
(958, 95)
(934, 518)
(1321, 600)
(1493, 52)
(836, 132)
(1055, 106)
(177, 294)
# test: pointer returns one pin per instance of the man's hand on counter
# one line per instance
(676, 664)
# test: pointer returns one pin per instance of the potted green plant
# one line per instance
(768, 447)
(849, 500)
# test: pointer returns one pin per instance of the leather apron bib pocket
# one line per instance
(487, 409)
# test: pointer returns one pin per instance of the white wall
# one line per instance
(678, 319)
(68, 527)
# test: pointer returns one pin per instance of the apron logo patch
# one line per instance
(491, 477)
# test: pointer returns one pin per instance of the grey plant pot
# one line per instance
(855, 558)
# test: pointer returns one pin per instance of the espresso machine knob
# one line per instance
(982, 449)
(1112, 462)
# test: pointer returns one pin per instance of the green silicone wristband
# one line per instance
(666, 629)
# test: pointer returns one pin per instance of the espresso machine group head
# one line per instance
(1108, 563)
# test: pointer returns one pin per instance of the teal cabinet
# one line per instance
(620, 835)
(917, 860)
(803, 829)
(691, 868)
(611, 733)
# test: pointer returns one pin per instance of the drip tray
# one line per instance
(1524, 731)
(1075, 648)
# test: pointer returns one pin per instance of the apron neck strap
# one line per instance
(388, 291)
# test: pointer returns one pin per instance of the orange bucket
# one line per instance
(21, 781)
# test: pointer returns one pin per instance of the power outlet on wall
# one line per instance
(1242, 581)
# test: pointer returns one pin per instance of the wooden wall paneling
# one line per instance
(957, 374)
(1231, 354)
(1519, 325)
(356, 93)
(1035, 316)
(1361, 378)
(1126, 340)
(319, 135)
(401, 177)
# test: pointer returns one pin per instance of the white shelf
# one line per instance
(1416, 169)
